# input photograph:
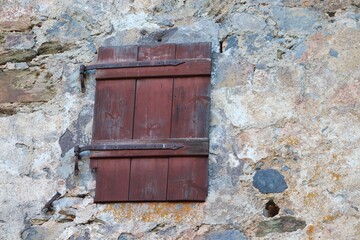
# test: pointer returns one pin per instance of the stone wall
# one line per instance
(285, 118)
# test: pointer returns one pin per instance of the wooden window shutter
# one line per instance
(151, 123)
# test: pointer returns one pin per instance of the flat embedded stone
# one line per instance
(269, 181)
(279, 225)
(226, 235)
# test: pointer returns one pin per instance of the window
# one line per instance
(151, 121)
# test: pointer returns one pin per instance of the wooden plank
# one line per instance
(112, 180)
(113, 119)
(152, 120)
(114, 100)
(193, 50)
(201, 67)
(188, 179)
(156, 52)
(117, 54)
(148, 179)
(188, 176)
(191, 101)
(191, 104)
(114, 108)
(153, 108)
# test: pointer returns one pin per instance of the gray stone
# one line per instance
(226, 235)
(279, 225)
(269, 181)
(17, 66)
(24, 86)
(126, 37)
(126, 236)
(299, 50)
(295, 20)
(158, 36)
(53, 47)
(246, 22)
(261, 66)
(333, 53)
(17, 56)
(66, 142)
(19, 41)
(33, 233)
(67, 29)
(66, 202)
(288, 211)
(166, 23)
(231, 42)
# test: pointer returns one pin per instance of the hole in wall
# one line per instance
(221, 46)
(331, 14)
(271, 209)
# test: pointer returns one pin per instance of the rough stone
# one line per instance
(17, 66)
(17, 56)
(158, 36)
(22, 24)
(126, 236)
(269, 181)
(333, 53)
(279, 225)
(52, 48)
(332, 5)
(18, 86)
(68, 29)
(227, 234)
(19, 41)
(230, 42)
(295, 21)
(245, 22)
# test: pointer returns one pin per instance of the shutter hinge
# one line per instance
(158, 63)
(127, 146)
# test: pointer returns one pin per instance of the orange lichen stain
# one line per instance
(290, 140)
(310, 231)
(329, 218)
(335, 176)
(152, 212)
(309, 198)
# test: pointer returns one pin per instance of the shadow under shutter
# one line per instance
(151, 118)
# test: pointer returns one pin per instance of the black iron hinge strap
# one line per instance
(132, 146)
(157, 63)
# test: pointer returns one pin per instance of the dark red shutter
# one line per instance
(152, 105)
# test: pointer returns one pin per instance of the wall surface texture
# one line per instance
(285, 118)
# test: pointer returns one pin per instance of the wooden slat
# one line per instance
(190, 108)
(113, 119)
(112, 182)
(201, 67)
(152, 120)
(187, 179)
(114, 107)
(193, 50)
(148, 179)
(188, 176)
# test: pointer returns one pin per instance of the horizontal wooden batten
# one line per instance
(197, 67)
(150, 148)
